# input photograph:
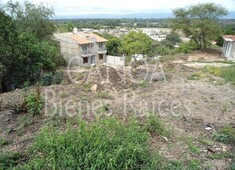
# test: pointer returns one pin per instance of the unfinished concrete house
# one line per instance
(229, 47)
(82, 48)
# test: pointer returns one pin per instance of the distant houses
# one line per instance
(229, 47)
(82, 48)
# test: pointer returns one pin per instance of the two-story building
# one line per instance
(82, 48)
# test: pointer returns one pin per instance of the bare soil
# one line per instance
(186, 106)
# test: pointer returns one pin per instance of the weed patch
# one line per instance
(221, 155)
(107, 144)
(9, 160)
(226, 135)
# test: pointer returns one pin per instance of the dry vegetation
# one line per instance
(191, 124)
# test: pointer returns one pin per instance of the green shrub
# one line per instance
(187, 47)
(107, 144)
(52, 78)
(163, 50)
(34, 102)
(58, 77)
(9, 160)
(47, 79)
(226, 135)
(232, 166)
(3, 142)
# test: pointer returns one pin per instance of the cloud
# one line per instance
(77, 7)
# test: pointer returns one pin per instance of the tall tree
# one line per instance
(24, 54)
(136, 43)
(199, 22)
(31, 18)
(8, 41)
(113, 45)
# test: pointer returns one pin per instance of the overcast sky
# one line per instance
(79, 7)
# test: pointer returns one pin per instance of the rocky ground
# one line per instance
(193, 110)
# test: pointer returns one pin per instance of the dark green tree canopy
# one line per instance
(26, 49)
(136, 43)
(199, 22)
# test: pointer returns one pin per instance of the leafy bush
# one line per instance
(163, 50)
(34, 103)
(47, 79)
(3, 142)
(9, 160)
(187, 47)
(52, 78)
(226, 135)
(58, 77)
(107, 144)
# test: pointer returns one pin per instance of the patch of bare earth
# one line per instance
(187, 107)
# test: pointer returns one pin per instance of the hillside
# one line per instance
(191, 100)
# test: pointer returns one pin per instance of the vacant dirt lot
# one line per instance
(192, 109)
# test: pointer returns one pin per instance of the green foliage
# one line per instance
(163, 50)
(34, 103)
(174, 38)
(228, 30)
(199, 22)
(9, 160)
(194, 165)
(58, 77)
(225, 72)
(232, 166)
(221, 155)
(26, 45)
(187, 47)
(128, 60)
(3, 142)
(52, 78)
(226, 135)
(228, 74)
(113, 45)
(197, 75)
(47, 79)
(216, 71)
(86, 87)
(136, 43)
(65, 25)
(192, 147)
(31, 18)
(154, 124)
(107, 144)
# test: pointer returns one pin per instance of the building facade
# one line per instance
(82, 48)
(229, 47)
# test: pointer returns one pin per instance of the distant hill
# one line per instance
(131, 15)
